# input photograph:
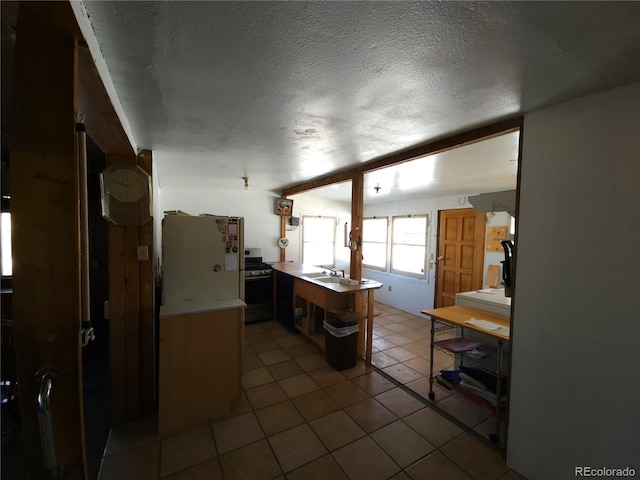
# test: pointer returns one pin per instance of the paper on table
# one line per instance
(489, 326)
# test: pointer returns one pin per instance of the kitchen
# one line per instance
(409, 294)
(542, 313)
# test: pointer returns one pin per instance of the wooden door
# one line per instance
(46, 237)
(460, 261)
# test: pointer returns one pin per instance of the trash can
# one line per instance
(341, 343)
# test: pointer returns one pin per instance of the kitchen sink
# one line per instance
(314, 275)
(343, 280)
(326, 279)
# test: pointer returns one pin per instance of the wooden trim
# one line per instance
(429, 148)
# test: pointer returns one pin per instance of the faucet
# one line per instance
(333, 273)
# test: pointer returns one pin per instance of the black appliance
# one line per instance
(258, 287)
(507, 267)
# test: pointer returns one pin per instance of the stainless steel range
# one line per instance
(258, 287)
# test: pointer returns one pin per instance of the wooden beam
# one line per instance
(418, 151)
(100, 118)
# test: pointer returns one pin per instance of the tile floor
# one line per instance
(300, 419)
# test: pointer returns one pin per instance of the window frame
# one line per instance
(305, 218)
(386, 266)
(392, 244)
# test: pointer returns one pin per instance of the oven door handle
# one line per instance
(265, 277)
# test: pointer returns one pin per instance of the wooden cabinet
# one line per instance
(200, 370)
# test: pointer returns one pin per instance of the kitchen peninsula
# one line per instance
(311, 294)
(200, 361)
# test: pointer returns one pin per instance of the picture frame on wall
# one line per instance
(284, 207)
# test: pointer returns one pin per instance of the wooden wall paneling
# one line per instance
(147, 303)
(132, 321)
(124, 310)
(132, 324)
(117, 332)
(45, 229)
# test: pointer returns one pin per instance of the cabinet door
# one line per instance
(284, 299)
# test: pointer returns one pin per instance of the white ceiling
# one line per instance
(283, 92)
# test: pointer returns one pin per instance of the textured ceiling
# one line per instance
(283, 92)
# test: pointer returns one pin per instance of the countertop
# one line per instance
(186, 308)
(299, 270)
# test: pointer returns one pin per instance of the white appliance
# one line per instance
(202, 258)
(490, 300)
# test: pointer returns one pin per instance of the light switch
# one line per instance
(143, 253)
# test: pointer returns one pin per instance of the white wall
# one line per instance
(575, 396)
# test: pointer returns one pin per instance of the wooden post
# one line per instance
(283, 233)
(46, 236)
(357, 209)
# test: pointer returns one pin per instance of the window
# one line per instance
(5, 244)
(374, 242)
(318, 240)
(409, 245)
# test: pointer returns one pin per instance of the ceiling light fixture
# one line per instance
(246, 183)
(377, 188)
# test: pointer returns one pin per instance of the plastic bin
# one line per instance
(341, 343)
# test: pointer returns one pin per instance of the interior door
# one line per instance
(46, 242)
(460, 260)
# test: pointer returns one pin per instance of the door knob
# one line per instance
(440, 257)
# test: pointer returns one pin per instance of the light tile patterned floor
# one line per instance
(300, 419)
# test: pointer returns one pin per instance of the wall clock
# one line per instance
(125, 195)
(283, 242)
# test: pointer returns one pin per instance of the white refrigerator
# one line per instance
(202, 258)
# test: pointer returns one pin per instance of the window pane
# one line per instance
(374, 230)
(408, 258)
(318, 237)
(412, 231)
(318, 253)
(408, 250)
(374, 242)
(374, 254)
(319, 229)
(5, 244)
